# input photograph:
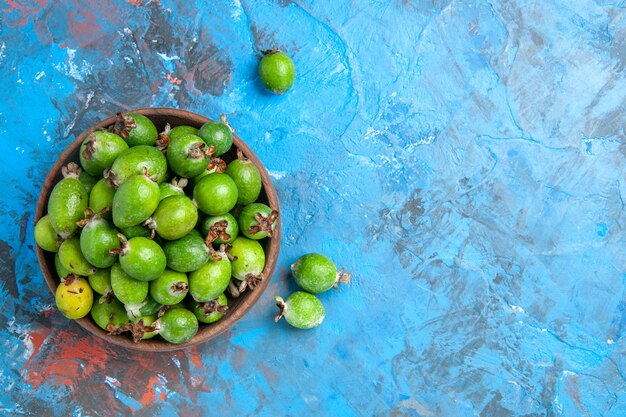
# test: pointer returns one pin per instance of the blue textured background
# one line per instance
(464, 160)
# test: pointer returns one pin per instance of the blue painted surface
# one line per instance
(463, 159)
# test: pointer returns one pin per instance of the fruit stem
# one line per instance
(282, 308)
(233, 289)
(264, 224)
(224, 120)
(342, 277)
(71, 170)
(179, 183)
(211, 306)
(240, 155)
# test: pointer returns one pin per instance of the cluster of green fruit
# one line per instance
(158, 225)
(315, 274)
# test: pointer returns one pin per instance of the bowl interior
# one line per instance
(237, 306)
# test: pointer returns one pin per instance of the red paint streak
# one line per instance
(22, 13)
(150, 394)
(135, 2)
(195, 357)
(37, 337)
(84, 27)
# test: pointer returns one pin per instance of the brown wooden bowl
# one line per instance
(238, 307)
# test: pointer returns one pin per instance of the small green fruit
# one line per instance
(247, 178)
(217, 134)
(97, 239)
(72, 258)
(177, 325)
(136, 129)
(127, 289)
(211, 279)
(215, 194)
(301, 310)
(45, 235)
(257, 221)
(210, 311)
(99, 150)
(138, 160)
(68, 200)
(223, 229)
(170, 288)
(188, 253)
(109, 314)
(277, 71)
(316, 273)
(135, 201)
(174, 217)
(141, 258)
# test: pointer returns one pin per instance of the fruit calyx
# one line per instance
(271, 51)
(68, 280)
(198, 151)
(264, 224)
(107, 298)
(138, 330)
(212, 306)
(123, 249)
(282, 308)
(251, 281)
(218, 231)
(163, 140)
(91, 215)
(342, 277)
(90, 147)
(71, 170)
(215, 164)
(179, 288)
(123, 125)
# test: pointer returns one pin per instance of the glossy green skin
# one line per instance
(127, 289)
(137, 230)
(134, 160)
(45, 235)
(175, 217)
(277, 72)
(217, 134)
(304, 310)
(73, 259)
(162, 289)
(215, 194)
(181, 131)
(178, 159)
(107, 147)
(101, 196)
(246, 220)
(314, 273)
(178, 325)
(250, 257)
(232, 229)
(247, 178)
(144, 260)
(147, 321)
(88, 181)
(100, 282)
(62, 271)
(187, 253)
(211, 317)
(144, 134)
(109, 313)
(147, 307)
(96, 239)
(210, 280)
(134, 201)
(166, 189)
(67, 203)
(74, 300)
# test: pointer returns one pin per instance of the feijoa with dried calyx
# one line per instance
(74, 297)
(301, 310)
(135, 201)
(72, 258)
(174, 217)
(222, 229)
(176, 325)
(215, 194)
(137, 160)
(211, 279)
(188, 253)
(108, 314)
(210, 311)
(316, 273)
(277, 71)
(99, 150)
(170, 288)
(45, 235)
(188, 155)
(68, 200)
(248, 261)
(218, 134)
(141, 258)
(257, 221)
(127, 289)
(136, 129)
(247, 178)
(97, 239)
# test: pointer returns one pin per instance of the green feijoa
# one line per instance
(223, 227)
(127, 289)
(74, 297)
(174, 217)
(88, 181)
(97, 239)
(101, 197)
(100, 281)
(257, 221)
(141, 258)
(146, 322)
(138, 160)
(277, 71)
(109, 314)
(99, 150)
(186, 254)
(210, 311)
(175, 187)
(45, 235)
(217, 134)
(181, 131)
(249, 258)
(177, 325)
(170, 288)
(134, 201)
(211, 279)
(215, 194)
(73, 259)
(68, 200)
(136, 129)
(247, 178)
(316, 273)
(62, 271)
(145, 308)
(187, 155)
(135, 231)
(301, 310)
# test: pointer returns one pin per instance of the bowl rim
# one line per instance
(206, 332)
